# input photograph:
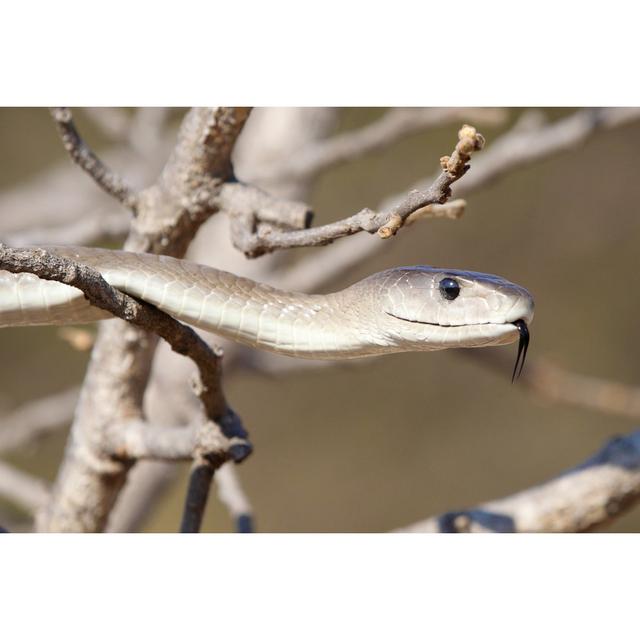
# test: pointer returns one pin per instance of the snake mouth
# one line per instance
(523, 345)
(444, 326)
(520, 325)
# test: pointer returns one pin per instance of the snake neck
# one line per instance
(255, 314)
(289, 323)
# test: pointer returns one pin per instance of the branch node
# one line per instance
(390, 228)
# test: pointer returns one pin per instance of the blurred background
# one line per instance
(379, 443)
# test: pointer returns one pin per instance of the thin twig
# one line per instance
(528, 141)
(266, 238)
(36, 419)
(82, 155)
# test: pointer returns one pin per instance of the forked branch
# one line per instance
(265, 238)
(169, 213)
(182, 339)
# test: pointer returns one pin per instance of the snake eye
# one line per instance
(449, 288)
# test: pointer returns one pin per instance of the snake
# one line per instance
(414, 308)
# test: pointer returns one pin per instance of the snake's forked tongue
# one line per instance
(522, 348)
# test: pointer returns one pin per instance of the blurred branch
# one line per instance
(531, 140)
(589, 392)
(146, 132)
(233, 496)
(386, 223)
(114, 122)
(36, 419)
(275, 134)
(582, 498)
(147, 483)
(100, 225)
(554, 383)
(395, 124)
(82, 155)
(21, 488)
(139, 440)
(141, 129)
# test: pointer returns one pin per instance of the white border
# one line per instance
(318, 586)
(331, 53)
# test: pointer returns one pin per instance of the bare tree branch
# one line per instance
(55, 207)
(531, 140)
(183, 340)
(168, 215)
(147, 483)
(270, 137)
(36, 419)
(139, 440)
(550, 381)
(386, 223)
(89, 162)
(559, 385)
(250, 205)
(232, 495)
(98, 225)
(582, 498)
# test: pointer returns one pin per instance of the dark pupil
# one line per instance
(449, 288)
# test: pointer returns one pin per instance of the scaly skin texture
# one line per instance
(400, 309)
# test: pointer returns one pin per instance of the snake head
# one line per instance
(427, 308)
